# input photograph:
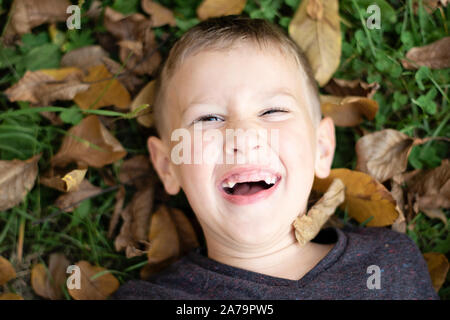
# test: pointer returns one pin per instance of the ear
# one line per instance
(159, 155)
(326, 143)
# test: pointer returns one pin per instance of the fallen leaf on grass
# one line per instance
(103, 91)
(27, 14)
(17, 178)
(69, 201)
(348, 111)
(92, 286)
(315, 27)
(120, 199)
(145, 96)
(136, 171)
(355, 88)
(217, 8)
(7, 271)
(84, 58)
(48, 283)
(436, 214)
(436, 55)
(42, 87)
(160, 15)
(308, 226)
(89, 143)
(10, 296)
(438, 267)
(364, 197)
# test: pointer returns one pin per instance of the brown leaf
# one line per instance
(160, 14)
(48, 283)
(7, 271)
(17, 178)
(436, 214)
(27, 14)
(45, 86)
(136, 171)
(89, 142)
(103, 91)
(436, 55)
(98, 288)
(356, 88)
(84, 58)
(431, 187)
(318, 37)
(69, 201)
(128, 79)
(120, 199)
(217, 8)
(145, 96)
(136, 218)
(364, 197)
(348, 111)
(186, 233)
(10, 296)
(429, 5)
(308, 226)
(438, 267)
(384, 154)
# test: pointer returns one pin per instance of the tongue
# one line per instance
(244, 189)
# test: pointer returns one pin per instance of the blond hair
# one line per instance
(222, 33)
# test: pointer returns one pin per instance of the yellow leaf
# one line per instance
(364, 197)
(73, 179)
(145, 96)
(10, 296)
(316, 29)
(217, 8)
(348, 111)
(7, 271)
(438, 267)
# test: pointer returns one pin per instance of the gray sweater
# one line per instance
(349, 271)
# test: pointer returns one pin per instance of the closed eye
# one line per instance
(207, 118)
(273, 110)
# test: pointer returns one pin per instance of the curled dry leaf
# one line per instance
(93, 287)
(355, 88)
(89, 143)
(7, 271)
(17, 178)
(399, 224)
(186, 233)
(364, 197)
(145, 96)
(136, 171)
(120, 199)
(348, 111)
(308, 226)
(384, 154)
(45, 86)
(84, 58)
(48, 284)
(217, 8)
(27, 14)
(104, 90)
(438, 267)
(431, 188)
(136, 216)
(73, 179)
(160, 14)
(53, 178)
(69, 201)
(315, 27)
(10, 296)
(436, 55)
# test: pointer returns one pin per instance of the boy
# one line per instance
(235, 74)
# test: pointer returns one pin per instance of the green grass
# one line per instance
(415, 102)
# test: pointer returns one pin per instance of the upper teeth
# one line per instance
(231, 184)
(228, 184)
(270, 180)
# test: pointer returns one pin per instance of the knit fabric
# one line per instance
(342, 274)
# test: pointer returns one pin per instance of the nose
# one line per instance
(243, 141)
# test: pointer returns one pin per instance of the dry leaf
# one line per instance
(438, 267)
(145, 96)
(186, 233)
(136, 171)
(308, 226)
(136, 216)
(27, 14)
(69, 201)
(429, 5)
(355, 88)
(48, 283)
(436, 214)
(318, 34)
(7, 271)
(90, 143)
(99, 288)
(84, 58)
(364, 197)
(103, 91)
(348, 111)
(160, 14)
(163, 237)
(384, 154)
(73, 179)
(217, 8)
(10, 296)
(436, 55)
(17, 178)
(128, 79)
(42, 87)
(120, 199)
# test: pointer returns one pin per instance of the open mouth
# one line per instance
(247, 188)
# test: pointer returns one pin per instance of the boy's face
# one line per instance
(244, 88)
